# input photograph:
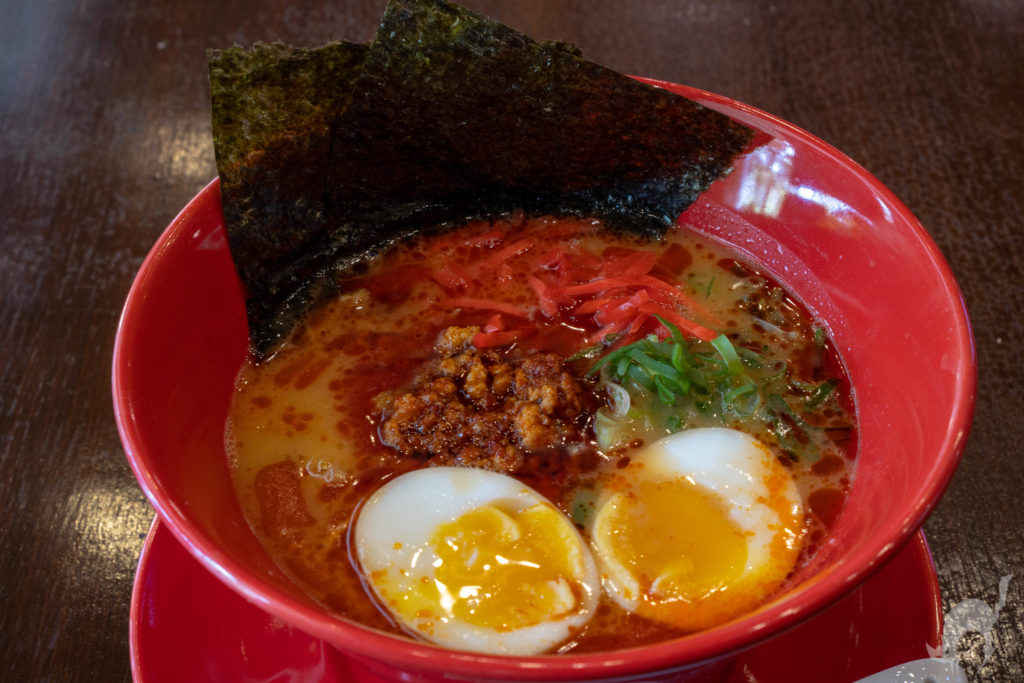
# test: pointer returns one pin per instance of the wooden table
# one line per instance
(105, 135)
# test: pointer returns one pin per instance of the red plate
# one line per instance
(186, 625)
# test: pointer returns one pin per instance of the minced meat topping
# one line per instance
(477, 407)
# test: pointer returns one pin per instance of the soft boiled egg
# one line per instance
(476, 560)
(700, 527)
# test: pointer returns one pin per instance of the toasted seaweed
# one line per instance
(267, 98)
(452, 116)
(272, 90)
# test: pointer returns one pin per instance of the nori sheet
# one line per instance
(272, 108)
(452, 116)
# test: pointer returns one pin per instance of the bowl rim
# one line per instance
(698, 648)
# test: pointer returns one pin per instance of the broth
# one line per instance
(305, 430)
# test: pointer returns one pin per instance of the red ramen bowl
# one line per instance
(838, 239)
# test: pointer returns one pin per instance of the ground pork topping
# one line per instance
(479, 408)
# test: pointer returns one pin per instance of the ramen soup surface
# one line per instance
(584, 364)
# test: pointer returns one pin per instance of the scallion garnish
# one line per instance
(588, 352)
(738, 392)
(666, 393)
(819, 337)
(752, 359)
(670, 370)
(637, 374)
(819, 394)
(673, 330)
(720, 380)
(728, 354)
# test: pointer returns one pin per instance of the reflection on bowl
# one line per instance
(839, 240)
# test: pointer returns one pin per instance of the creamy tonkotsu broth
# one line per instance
(473, 348)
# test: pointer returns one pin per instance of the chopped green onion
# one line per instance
(779, 405)
(819, 395)
(665, 392)
(728, 353)
(601, 363)
(778, 375)
(723, 380)
(588, 352)
(677, 336)
(582, 505)
(819, 337)
(678, 362)
(751, 407)
(687, 367)
(637, 374)
(738, 392)
(806, 387)
(613, 356)
(750, 358)
(789, 430)
(655, 367)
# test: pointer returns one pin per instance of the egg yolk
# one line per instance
(503, 569)
(676, 555)
(668, 559)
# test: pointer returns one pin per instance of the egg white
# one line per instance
(392, 539)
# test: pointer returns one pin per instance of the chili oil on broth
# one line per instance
(303, 433)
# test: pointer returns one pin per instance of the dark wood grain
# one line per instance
(105, 135)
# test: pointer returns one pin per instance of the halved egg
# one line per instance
(700, 527)
(476, 560)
